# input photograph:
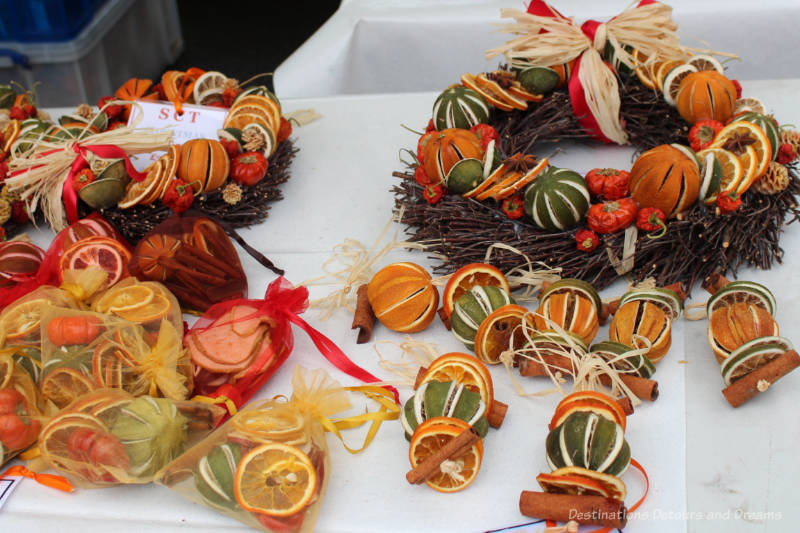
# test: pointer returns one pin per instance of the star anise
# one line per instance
(738, 143)
(519, 163)
(503, 78)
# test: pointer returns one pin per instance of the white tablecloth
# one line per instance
(697, 449)
(391, 46)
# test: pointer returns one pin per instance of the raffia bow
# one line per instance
(547, 38)
(43, 173)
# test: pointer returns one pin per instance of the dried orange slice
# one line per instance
(124, 298)
(506, 188)
(154, 310)
(10, 134)
(276, 422)
(169, 166)
(263, 102)
(55, 436)
(137, 191)
(109, 365)
(642, 70)
(592, 401)
(467, 277)
(242, 116)
(465, 370)
(491, 91)
(22, 320)
(457, 472)
(661, 74)
(577, 480)
(63, 385)
(732, 171)
(500, 331)
(738, 137)
(103, 252)
(486, 184)
(275, 479)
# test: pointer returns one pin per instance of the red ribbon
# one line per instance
(105, 151)
(295, 301)
(577, 94)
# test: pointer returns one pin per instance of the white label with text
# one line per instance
(196, 122)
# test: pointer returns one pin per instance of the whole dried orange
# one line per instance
(501, 331)
(403, 297)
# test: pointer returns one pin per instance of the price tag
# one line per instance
(196, 122)
(7, 485)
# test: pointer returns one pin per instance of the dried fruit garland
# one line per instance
(742, 170)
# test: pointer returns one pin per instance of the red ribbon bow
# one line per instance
(577, 94)
(106, 151)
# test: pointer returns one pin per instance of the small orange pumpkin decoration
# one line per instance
(403, 298)
(77, 329)
(706, 95)
(446, 148)
(203, 164)
(733, 325)
(643, 318)
(135, 89)
(666, 178)
(570, 310)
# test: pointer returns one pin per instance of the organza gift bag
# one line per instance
(237, 345)
(20, 418)
(83, 351)
(108, 437)
(268, 465)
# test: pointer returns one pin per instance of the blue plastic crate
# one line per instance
(45, 20)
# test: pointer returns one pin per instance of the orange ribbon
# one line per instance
(639, 502)
(48, 480)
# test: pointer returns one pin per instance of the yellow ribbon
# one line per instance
(83, 284)
(389, 410)
(160, 366)
(219, 400)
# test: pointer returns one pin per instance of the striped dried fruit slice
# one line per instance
(588, 401)
(501, 331)
(571, 310)
(275, 479)
(749, 105)
(403, 297)
(444, 398)
(742, 292)
(731, 326)
(666, 298)
(486, 184)
(465, 370)
(732, 173)
(472, 308)
(457, 472)
(124, 298)
(588, 440)
(672, 81)
(492, 92)
(6, 370)
(753, 355)
(705, 62)
(616, 354)
(208, 87)
(582, 481)
(659, 71)
(470, 276)
(639, 319)
(215, 473)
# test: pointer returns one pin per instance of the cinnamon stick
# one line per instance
(643, 388)
(625, 403)
(364, 318)
(584, 509)
(420, 377)
(714, 282)
(553, 363)
(760, 379)
(497, 413)
(454, 448)
(445, 319)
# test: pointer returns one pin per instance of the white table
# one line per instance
(702, 455)
(391, 46)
